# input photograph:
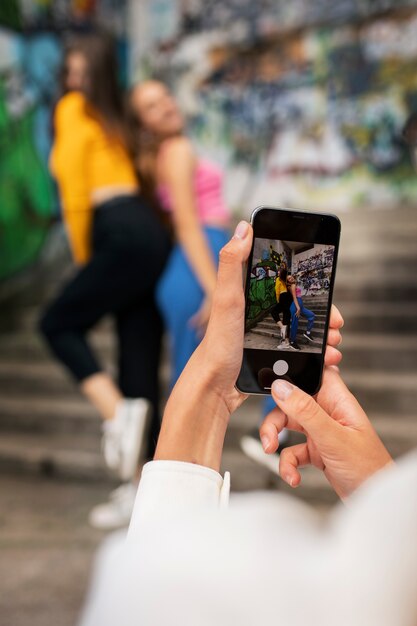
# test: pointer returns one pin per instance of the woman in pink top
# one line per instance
(297, 308)
(189, 189)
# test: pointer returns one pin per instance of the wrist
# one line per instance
(209, 289)
(195, 422)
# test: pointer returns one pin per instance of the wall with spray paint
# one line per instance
(304, 102)
(32, 35)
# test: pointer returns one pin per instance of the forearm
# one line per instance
(195, 420)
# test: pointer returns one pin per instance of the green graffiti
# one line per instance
(261, 297)
(26, 192)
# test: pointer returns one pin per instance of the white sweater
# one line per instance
(189, 560)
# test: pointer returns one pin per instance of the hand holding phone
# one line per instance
(205, 395)
(288, 294)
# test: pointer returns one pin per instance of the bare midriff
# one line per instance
(104, 194)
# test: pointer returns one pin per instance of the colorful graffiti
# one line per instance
(310, 264)
(268, 255)
(27, 87)
(31, 39)
(314, 270)
(303, 102)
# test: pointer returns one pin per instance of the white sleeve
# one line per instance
(177, 489)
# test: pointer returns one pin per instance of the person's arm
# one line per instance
(197, 413)
(176, 168)
(340, 438)
(69, 164)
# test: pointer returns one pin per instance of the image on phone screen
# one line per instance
(288, 295)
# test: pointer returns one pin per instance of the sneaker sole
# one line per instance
(255, 452)
(309, 338)
(138, 432)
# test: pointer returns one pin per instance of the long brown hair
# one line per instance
(144, 147)
(101, 88)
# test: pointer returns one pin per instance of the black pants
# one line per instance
(130, 248)
(283, 306)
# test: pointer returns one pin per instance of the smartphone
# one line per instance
(288, 292)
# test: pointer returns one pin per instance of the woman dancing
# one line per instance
(190, 191)
(120, 248)
(297, 309)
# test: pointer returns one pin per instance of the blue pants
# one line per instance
(294, 319)
(179, 297)
(269, 403)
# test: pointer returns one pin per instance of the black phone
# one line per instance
(288, 293)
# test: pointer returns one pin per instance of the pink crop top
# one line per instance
(208, 185)
(298, 292)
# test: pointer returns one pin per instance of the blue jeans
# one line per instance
(294, 319)
(179, 296)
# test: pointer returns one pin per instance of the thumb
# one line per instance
(231, 258)
(304, 410)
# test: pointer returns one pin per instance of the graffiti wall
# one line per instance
(303, 102)
(32, 34)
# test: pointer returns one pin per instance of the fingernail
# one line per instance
(282, 389)
(265, 442)
(289, 480)
(242, 230)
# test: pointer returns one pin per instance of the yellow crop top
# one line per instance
(84, 158)
(280, 287)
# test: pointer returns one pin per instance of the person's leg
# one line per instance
(64, 325)
(102, 392)
(310, 317)
(180, 296)
(294, 323)
(286, 308)
(275, 312)
(139, 330)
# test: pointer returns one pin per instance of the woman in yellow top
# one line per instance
(283, 305)
(120, 248)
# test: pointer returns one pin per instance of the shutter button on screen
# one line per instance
(280, 367)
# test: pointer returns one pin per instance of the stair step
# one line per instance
(366, 350)
(48, 415)
(393, 317)
(383, 391)
(373, 292)
(301, 323)
(37, 378)
(48, 377)
(269, 333)
(29, 346)
(76, 457)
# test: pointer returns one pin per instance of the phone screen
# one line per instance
(289, 285)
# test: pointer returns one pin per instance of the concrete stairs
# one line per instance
(268, 328)
(47, 427)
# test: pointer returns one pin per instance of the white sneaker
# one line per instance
(124, 437)
(284, 345)
(115, 513)
(252, 447)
